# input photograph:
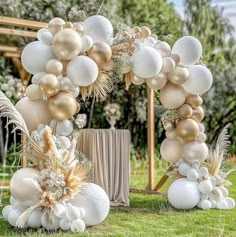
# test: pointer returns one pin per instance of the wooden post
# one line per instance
(150, 134)
(23, 142)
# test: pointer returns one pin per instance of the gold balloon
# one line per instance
(187, 129)
(171, 150)
(171, 134)
(145, 32)
(78, 27)
(136, 29)
(101, 53)
(176, 58)
(68, 25)
(55, 25)
(168, 64)
(194, 100)
(157, 82)
(62, 106)
(172, 96)
(49, 85)
(66, 44)
(185, 111)
(179, 75)
(136, 80)
(54, 67)
(198, 114)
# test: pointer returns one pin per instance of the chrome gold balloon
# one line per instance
(49, 85)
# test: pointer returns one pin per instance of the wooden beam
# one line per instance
(22, 33)
(21, 22)
(23, 142)
(11, 55)
(9, 49)
(150, 134)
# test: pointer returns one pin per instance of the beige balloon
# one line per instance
(49, 85)
(171, 134)
(101, 53)
(54, 67)
(34, 112)
(187, 129)
(145, 31)
(79, 28)
(198, 114)
(55, 25)
(66, 44)
(176, 58)
(137, 80)
(168, 64)
(171, 151)
(68, 25)
(136, 29)
(179, 75)
(157, 82)
(62, 106)
(172, 96)
(194, 100)
(34, 92)
(185, 111)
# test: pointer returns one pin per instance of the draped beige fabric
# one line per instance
(109, 151)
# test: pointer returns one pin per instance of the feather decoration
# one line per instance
(223, 140)
(7, 109)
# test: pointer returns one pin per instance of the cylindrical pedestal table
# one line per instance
(109, 151)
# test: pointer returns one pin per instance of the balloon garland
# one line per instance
(73, 58)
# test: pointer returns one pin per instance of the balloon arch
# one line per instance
(78, 58)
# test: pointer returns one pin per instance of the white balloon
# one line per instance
(72, 212)
(199, 80)
(63, 142)
(230, 202)
(87, 43)
(222, 204)
(23, 184)
(35, 56)
(6, 210)
(36, 77)
(40, 32)
(63, 127)
(47, 37)
(59, 210)
(77, 226)
(201, 127)
(189, 50)
(205, 186)
(196, 166)
(20, 206)
(192, 175)
(147, 62)
(82, 71)
(65, 224)
(205, 205)
(95, 202)
(201, 137)
(34, 219)
(195, 152)
(13, 216)
(99, 28)
(149, 41)
(183, 168)
(48, 223)
(224, 191)
(163, 48)
(12, 200)
(184, 194)
(203, 171)
(213, 203)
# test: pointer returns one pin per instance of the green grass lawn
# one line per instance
(150, 215)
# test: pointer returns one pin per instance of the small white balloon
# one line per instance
(46, 37)
(82, 71)
(12, 200)
(230, 202)
(201, 127)
(192, 175)
(34, 219)
(36, 77)
(99, 28)
(6, 210)
(87, 43)
(189, 49)
(201, 137)
(222, 204)
(72, 212)
(147, 62)
(47, 222)
(59, 210)
(62, 127)
(150, 41)
(184, 168)
(40, 32)
(184, 194)
(199, 80)
(224, 191)
(163, 48)
(77, 226)
(65, 224)
(203, 171)
(35, 56)
(196, 166)
(205, 186)
(213, 203)
(63, 142)
(13, 216)
(206, 205)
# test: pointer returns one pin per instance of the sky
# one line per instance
(229, 9)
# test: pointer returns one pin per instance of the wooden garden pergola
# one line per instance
(14, 54)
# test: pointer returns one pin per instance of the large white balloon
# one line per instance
(184, 194)
(34, 219)
(189, 49)
(195, 152)
(6, 210)
(95, 202)
(35, 56)
(199, 80)
(147, 62)
(99, 28)
(24, 186)
(82, 71)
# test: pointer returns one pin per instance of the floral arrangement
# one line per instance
(112, 113)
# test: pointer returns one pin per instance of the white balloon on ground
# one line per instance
(13, 216)
(87, 43)
(224, 191)
(99, 28)
(77, 226)
(34, 219)
(48, 223)
(199, 80)
(184, 194)
(222, 204)
(189, 49)
(62, 127)
(12, 200)
(59, 210)
(195, 152)
(65, 224)
(94, 200)
(230, 202)
(35, 56)
(147, 62)
(82, 71)
(6, 210)
(23, 184)
(205, 204)
(72, 212)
